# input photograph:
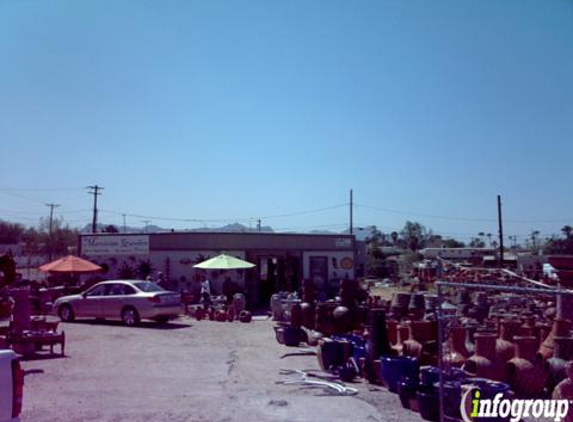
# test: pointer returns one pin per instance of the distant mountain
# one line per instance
(231, 228)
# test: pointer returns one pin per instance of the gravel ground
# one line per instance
(189, 371)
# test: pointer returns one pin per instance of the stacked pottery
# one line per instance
(455, 351)
(483, 363)
(400, 303)
(563, 352)
(526, 373)
(561, 328)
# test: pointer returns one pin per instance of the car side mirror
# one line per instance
(84, 295)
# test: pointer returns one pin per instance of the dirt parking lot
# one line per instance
(189, 371)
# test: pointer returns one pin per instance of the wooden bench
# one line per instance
(39, 339)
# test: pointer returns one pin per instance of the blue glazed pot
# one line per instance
(407, 389)
(395, 368)
(429, 403)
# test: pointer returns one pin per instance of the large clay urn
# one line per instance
(561, 328)
(504, 346)
(564, 390)
(423, 335)
(456, 353)
(555, 366)
(482, 363)
(525, 372)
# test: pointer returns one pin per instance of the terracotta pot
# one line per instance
(483, 363)
(308, 315)
(392, 329)
(555, 366)
(504, 347)
(525, 373)
(403, 335)
(422, 342)
(564, 390)
(456, 352)
(561, 328)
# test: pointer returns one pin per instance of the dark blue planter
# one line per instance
(395, 368)
(429, 403)
(407, 389)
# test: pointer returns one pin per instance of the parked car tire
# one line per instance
(66, 313)
(130, 316)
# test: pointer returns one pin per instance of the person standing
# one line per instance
(206, 291)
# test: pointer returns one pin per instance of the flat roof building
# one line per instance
(282, 260)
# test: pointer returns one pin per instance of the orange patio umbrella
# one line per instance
(70, 264)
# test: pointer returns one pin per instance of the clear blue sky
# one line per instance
(237, 109)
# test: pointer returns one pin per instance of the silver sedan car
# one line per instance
(128, 300)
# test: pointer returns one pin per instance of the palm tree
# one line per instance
(489, 238)
(567, 231)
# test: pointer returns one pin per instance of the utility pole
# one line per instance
(500, 231)
(259, 225)
(351, 209)
(146, 224)
(94, 190)
(52, 206)
(124, 227)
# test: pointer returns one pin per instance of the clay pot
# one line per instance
(422, 342)
(392, 329)
(308, 315)
(525, 373)
(564, 390)
(456, 353)
(403, 335)
(397, 367)
(483, 363)
(504, 346)
(555, 366)
(245, 316)
(333, 353)
(324, 319)
(471, 329)
(561, 328)
(296, 316)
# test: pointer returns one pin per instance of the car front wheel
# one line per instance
(66, 313)
(130, 317)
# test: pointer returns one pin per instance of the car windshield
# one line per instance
(146, 286)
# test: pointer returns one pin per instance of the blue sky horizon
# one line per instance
(224, 111)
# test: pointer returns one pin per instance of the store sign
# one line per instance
(343, 242)
(115, 245)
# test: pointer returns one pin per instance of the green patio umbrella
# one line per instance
(224, 262)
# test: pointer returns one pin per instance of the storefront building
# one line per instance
(282, 260)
